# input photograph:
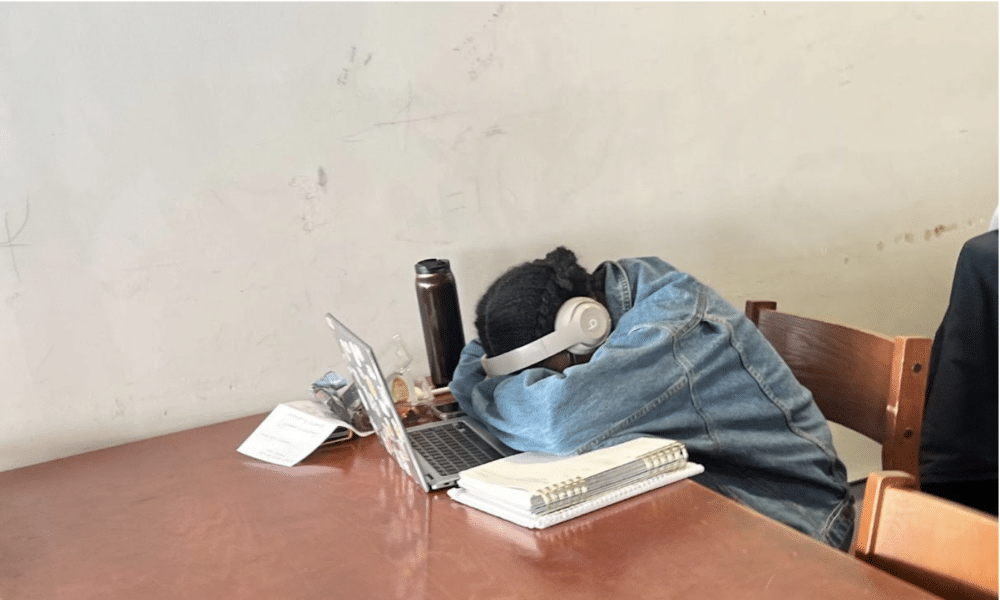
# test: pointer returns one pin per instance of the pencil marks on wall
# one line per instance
(13, 232)
(308, 190)
(844, 75)
(413, 120)
(354, 137)
(479, 50)
(321, 179)
(354, 62)
(119, 410)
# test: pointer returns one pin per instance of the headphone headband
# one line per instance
(582, 325)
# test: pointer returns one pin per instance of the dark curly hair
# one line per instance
(521, 305)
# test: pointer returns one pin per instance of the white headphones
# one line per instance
(582, 325)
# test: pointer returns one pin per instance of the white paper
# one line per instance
(290, 433)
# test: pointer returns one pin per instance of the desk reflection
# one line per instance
(186, 516)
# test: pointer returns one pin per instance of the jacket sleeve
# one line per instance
(468, 374)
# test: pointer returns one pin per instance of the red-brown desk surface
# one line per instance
(186, 516)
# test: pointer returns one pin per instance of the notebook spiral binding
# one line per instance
(556, 497)
(665, 459)
(563, 491)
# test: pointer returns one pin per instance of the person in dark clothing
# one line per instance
(958, 450)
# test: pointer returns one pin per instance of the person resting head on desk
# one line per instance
(653, 352)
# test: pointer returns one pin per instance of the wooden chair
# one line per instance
(944, 547)
(864, 381)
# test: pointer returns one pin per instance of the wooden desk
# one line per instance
(186, 516)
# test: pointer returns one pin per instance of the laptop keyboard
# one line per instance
(452, 448)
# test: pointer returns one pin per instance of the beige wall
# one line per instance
(187, 188)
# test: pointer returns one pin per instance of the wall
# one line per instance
(187, 188)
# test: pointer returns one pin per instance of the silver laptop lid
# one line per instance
(377, 401)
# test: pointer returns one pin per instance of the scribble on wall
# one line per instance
(356, 136)
(11, 242)
(309, 190)
(479, 49)
(352, 59)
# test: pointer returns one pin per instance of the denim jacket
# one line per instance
(680, 363)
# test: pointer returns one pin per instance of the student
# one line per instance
(678, 362)
(958, 447)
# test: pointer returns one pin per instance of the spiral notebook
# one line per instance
(537, 490)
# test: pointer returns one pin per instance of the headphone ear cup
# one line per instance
(587, 321)
(582, 324)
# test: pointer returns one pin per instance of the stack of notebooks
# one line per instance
(537, 490)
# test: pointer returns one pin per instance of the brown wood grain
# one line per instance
(186, 516)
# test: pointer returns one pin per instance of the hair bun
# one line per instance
(561, 258)
(567, 273)
(522, 304)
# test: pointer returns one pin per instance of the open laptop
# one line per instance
(432, 454)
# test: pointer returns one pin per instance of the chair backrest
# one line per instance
(939, 545)
(865, 381)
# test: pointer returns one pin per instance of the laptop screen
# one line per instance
(377, 400)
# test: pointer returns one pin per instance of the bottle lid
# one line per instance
(432, 265)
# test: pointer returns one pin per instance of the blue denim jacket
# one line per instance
(681, 363)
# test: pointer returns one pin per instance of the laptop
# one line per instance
(432, 454)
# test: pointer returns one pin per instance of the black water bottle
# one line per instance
(437, 298)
